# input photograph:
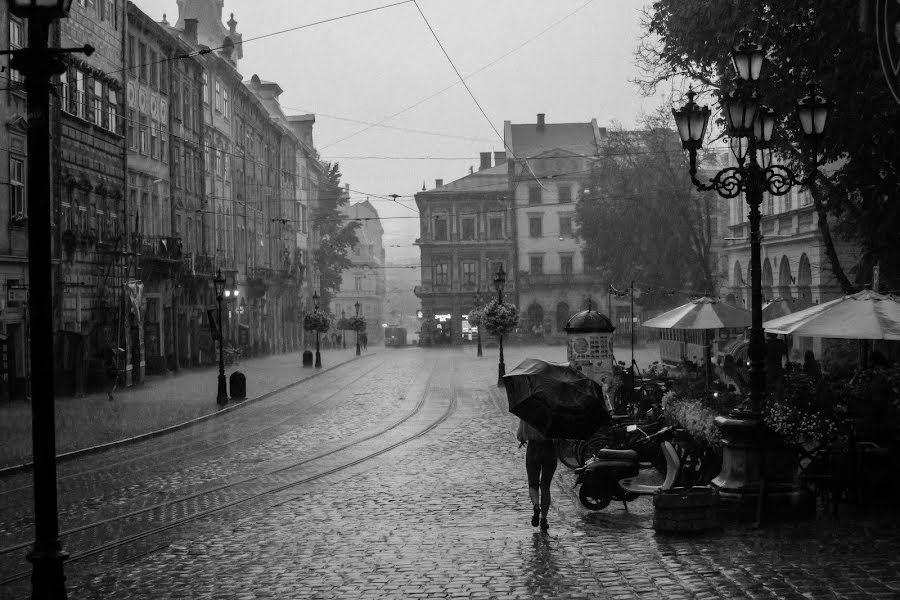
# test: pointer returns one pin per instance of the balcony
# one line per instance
(162, 248)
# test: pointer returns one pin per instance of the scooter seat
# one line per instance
(613, 454)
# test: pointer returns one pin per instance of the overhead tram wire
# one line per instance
(204, 51)
(469, 90)
(455, 83)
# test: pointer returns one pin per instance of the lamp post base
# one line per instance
(222, 392)
(741, 480)
(48, 580)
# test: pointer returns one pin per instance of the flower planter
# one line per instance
(686, 510)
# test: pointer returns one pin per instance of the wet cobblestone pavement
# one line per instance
(444, 513)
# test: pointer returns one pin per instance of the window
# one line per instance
(468, 228)
(218, 96)
(154, 69)
(440, 229)
(565, 227)
(565, 264)
(205, 88)
(143, 138)
(154, 140)
(565, 194)
(468, 271)
(496, 227)
(16, 41)
(187, 106)
(99, 118)
(131, 131)
(142, 57)
(441, 274)
(163, 76)
(218, 166)
(131, 55)
(225, 102)
(176, 99)
(534, 194)
(536, 264)
(64, 91)
(535, 228)
(112, 112)
(163, 144)
(359, 283)
(303, 224)
(80, 100)
(13, 284)
(16, 187)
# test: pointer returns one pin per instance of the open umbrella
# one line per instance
(779, 307)
(865, 315)
(557, 400)
(701, 313)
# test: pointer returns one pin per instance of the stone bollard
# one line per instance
(307, 358)
(237, 384)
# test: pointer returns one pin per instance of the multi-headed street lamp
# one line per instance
(316, 310)
(357, 331)
(219, 284)
(499, 282)
(749, 125)
(38, 63)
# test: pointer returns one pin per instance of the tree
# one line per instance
(804, 39)
(640, 218)
(336, 234)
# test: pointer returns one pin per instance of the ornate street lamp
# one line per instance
(316, 311)
(219, 285)
(357, 331)
(343, 331)
(38, 63)
(750, 126)
(499, 282)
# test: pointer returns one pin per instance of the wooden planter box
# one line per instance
(686, 510)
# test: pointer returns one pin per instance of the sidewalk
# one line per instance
(162, 401)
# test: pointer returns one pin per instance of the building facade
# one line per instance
(364, 281)
(549, 167)
(467, 233)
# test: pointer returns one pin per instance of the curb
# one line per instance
(73, 454)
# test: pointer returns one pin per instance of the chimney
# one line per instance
(540, 123)
(438, 183)
(190, 30)
(499, 158)
(485, 161)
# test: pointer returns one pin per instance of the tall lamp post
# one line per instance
(357, 331)
(750, 125)
(38, 63)
(316, 309)
(343, 331)
(219, 284)
(499, 282)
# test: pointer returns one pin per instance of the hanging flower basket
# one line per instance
(500, 319)
(342, 324)
(476, 316)
(356, 324)
(316, 321)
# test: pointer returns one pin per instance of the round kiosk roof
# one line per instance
(589, 321)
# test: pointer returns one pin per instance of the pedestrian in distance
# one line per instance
(364, 339)
(540, 465)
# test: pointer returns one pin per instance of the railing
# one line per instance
(161, 247)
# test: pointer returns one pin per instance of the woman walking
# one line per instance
(540, 464)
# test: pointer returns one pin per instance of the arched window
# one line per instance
(767, 281)
(534, 318)
(737, 285)
(804, 283)
(562, 316)
(785, 279)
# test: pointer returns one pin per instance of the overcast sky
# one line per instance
(368, 67)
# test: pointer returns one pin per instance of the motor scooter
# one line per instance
(611, 474)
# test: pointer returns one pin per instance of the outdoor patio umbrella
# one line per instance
(779, 307)
(866, 315)
(557, 400)
(702, 313)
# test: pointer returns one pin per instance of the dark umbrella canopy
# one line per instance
(557, 400)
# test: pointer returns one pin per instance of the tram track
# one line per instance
(174, 451)
(268, 491)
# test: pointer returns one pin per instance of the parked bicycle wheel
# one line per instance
(601, 439)
(567, 451)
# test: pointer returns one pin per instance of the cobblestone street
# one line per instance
(400, 477)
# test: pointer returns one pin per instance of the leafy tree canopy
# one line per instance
(336, 234)
(640, 219)
(804, 40)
